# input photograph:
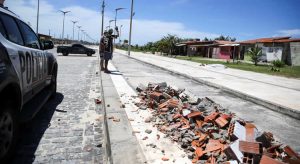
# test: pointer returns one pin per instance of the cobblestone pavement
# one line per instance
(69, 128)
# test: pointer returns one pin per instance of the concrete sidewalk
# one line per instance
(277, 93)
(125, 127)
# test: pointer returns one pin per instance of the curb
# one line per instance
(108, 155)
(272, 106)
(121, 145)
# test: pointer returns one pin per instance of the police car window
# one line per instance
(13, 33)
(2, 30)
(30, 39)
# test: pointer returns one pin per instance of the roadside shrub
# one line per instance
(275, 69)
(153, 50)
(278, 63)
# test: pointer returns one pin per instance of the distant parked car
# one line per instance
(75, 49)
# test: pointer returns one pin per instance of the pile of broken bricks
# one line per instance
(206, 131)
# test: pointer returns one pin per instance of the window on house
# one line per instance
(270, 49)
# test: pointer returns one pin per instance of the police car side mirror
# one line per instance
(47, 44)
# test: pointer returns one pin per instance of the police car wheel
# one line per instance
(8, 133)
(89, 54)
(53, 84)
(65, 53)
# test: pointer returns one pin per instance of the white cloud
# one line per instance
(153, 30)
(51, 19)
(290, 32)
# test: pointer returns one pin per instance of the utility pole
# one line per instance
(102, 26)
(74, 22)
(131, 15)
(37, 17)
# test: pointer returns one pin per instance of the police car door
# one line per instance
(22, 50)
(39, 60)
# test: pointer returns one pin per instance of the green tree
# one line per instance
(255, 53)
(206, 39)
(171, 41)
(227, 38)
(162, 46)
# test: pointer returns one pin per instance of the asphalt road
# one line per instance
(69, 128)
(284, 128)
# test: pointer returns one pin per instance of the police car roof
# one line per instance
(8, 12)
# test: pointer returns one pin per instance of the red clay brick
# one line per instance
(268, 160)
(250, 147)
(156, 96)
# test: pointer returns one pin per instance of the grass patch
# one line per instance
(247, 58)
(286, 71)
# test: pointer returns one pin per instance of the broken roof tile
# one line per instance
(221, 122)
(194, 114)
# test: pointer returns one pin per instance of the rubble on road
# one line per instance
(206, 131)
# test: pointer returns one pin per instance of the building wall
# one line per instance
(295, 53)
(191, 51)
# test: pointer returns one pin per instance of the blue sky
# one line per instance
(243, 19)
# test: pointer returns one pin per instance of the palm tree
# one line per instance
(255, 53)
(171, 41)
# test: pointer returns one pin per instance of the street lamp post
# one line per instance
(37, 17)
(82, 33)
(102, 25)
(117, 9)
(120, 33)
(74, 22)
(110, 22)
(131, 15)
(84, 37)
(78, 31)
(64, 12)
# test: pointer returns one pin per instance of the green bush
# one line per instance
(275, 69)
(153, 49)
(278, 63)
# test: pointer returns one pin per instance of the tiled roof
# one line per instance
(265, 40)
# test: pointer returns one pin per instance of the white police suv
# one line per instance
(27, 77)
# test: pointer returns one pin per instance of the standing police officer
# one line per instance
(106, 45)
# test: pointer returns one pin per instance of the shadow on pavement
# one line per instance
(114, 72)
(77, 56)
(32, 132)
